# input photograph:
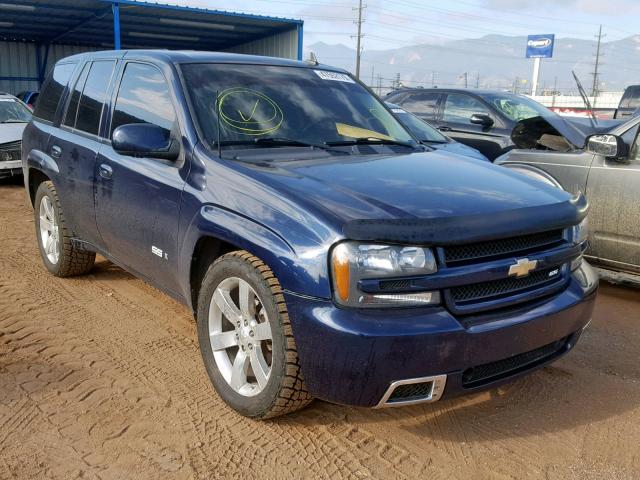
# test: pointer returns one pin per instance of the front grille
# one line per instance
(461, 254)
(10, 151)
(499, 288)
(489, 372)
(411, 391)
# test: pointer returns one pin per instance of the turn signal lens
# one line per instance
(341, 271)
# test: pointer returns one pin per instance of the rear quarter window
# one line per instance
(52, 91)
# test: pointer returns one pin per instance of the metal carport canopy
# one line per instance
(111, 24)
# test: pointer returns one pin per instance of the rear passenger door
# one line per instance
(138, 199)
(422, 104)
(75, 145)
(456, 122)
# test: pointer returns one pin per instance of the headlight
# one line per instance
(580, 232)
(352, 262)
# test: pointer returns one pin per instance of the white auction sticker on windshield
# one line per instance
(335, 76)
(397, 110)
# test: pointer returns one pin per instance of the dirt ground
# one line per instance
(100, 377)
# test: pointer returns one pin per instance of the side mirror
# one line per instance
(609, 146)
(145, 140)
(481, 119)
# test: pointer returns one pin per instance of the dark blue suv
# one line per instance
(324, 251)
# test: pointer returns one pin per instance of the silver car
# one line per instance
(14, 116)
(603, 162)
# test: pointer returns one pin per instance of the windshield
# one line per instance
(12, 111)
(309, 106)
(516, 107)
(420, 129)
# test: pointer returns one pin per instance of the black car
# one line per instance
(482, 119)
(629, 103)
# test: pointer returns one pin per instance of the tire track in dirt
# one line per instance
(101, 377)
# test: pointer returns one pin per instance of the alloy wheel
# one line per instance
(49, 230)
(240, 336)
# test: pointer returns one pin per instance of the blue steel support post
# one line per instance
(116, 26)
(300, 25)
(39, 64)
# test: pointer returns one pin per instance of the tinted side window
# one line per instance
(52, 90)
(459, 107)
(630, 98)
(423, 104)
(630, 137)
(143, 98)
(72, 109)
(93, 97)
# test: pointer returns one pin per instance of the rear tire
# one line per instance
(254, 367)
(58, 253)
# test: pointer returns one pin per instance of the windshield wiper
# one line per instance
(15, 120)
(371, 141)
(283, 142)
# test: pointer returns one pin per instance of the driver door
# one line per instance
(138, 199)
(456, 123)
(613, 190)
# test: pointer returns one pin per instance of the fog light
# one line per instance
(406, 299)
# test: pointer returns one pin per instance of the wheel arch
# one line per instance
(215, 231)
(40, 168)
(533, 172)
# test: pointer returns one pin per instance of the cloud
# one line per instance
(549, 7)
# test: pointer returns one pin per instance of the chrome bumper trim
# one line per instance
(438, 383)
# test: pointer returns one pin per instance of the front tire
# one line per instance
(58, 253)
(246, 339)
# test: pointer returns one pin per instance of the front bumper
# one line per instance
(11, 167)
(353, 356)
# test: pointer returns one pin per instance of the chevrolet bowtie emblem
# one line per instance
(523, 267)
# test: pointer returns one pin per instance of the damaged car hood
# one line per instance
(557, 133)
(11, 132)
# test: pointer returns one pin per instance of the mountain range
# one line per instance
(492, 61)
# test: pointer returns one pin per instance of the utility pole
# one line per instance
(372, 76)
(359, 37)
(379, 85)
(433, 78)
(478, 80)
(596, 83)
(466, 83)
(397, 82)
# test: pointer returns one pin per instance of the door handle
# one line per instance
(444, 129)
(56, 151)
(105, 171)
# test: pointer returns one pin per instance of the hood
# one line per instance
(557, 133)
(458, 148)
(407, 197)
(11, 132)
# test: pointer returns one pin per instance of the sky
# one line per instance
(397, 23)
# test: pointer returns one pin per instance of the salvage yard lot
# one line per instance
(101, 377)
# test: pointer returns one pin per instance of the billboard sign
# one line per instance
(540, 46)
